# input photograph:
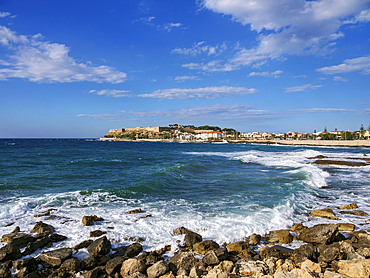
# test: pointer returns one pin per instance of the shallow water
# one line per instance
(224, 192)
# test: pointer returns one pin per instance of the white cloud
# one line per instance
(322, 110)
(200, 93)
(168, 26)
(219, 112)
(45, 62)
(364, 16)
(186, 78)
(200, 48)
(111, 93)
(4, 14)
(287, 27)
(274, 74)
(339, 78)
(302, 88)
(300, 76)
(360, 65)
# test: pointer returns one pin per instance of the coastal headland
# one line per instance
(214, 134)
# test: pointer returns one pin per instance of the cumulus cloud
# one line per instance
(40, 61)
(274, 74)
(302, 88)
(111, 93)
(200, 93)
(360, 65)
(200, 48)
(287, 27)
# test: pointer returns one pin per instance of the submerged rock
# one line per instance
(339, 162)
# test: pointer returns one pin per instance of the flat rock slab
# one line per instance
(324, 213)
(56, 257)
(339, 162)
(41, 227)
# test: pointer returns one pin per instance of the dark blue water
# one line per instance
(223, 191)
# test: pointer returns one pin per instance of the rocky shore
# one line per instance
(327, 251)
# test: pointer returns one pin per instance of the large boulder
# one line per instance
(5, 271)
(324, 213)
(297, 228)
(38, 244)
(304, 252)
(320, 234)
(240, 249)
(276, 251)
(133, 250)
(99, 247)
(114, 265)
(183, 261)
(211, 258)
(192, 238)
(204, 246)
(70, 265)
(132, 266)
(41, 227)
(56, 257)
(157, 270)
(251, 268)
(353, 268)
(253, 239)
(9, 252)
(279, 237)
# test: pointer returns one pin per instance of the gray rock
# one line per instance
(9, 252)
(133, 250)
(114, 265)
(57, 237)
(56, 257)
(71, 265)
(305, 252)
(211, 258)
(4, 271)
(132, 266)
(94, 273)
(191, 238)
(21, 240)
(89, 263)
(320, 234)
(100, 246)
(183, 261)
(30, 264)
(34, 246)
(157, 270)
(83, 244)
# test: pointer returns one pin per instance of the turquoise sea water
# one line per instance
(224, 192)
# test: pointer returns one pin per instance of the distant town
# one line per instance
(190, 133)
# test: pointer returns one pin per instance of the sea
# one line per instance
(224, 192)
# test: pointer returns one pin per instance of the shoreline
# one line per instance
(327, 250)
(319, 143)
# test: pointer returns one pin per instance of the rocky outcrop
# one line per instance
(56, 257)
(89, 220)
(99, 247)
(324, 213)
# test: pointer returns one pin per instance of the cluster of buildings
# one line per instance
(177, 132)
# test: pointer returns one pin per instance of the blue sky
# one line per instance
(79, 68)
